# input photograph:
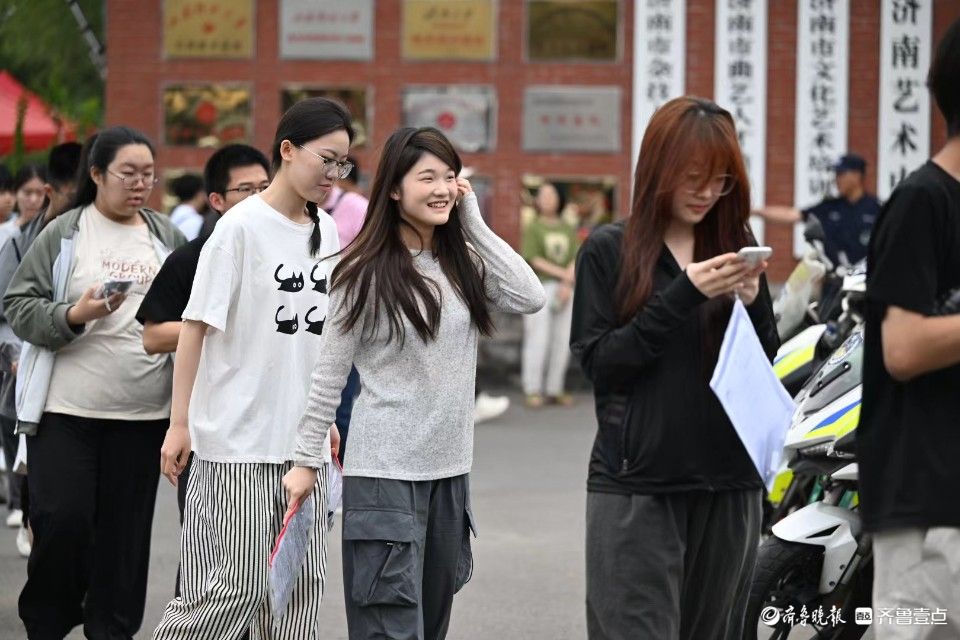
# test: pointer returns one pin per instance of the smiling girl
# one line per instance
(411, 296)
(247, 346)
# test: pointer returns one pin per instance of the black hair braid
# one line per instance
(315, 236)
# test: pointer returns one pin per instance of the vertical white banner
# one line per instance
(740, 85)
(659, 60)
(823, 39)
(904, 131)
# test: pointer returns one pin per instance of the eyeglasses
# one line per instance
(343, 169)
(131, 180)
(247, 189)
(719, 185)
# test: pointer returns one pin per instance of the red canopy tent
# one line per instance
(40, 128)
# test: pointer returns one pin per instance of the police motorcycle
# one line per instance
(803, 322)
(791, 490)
(816, 567)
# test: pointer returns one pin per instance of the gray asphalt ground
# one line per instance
(528, 488)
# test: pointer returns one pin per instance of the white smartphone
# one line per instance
(754, 255)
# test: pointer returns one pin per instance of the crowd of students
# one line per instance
(283, 311)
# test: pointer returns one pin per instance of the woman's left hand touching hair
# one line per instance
(463, 188)
(749, 287)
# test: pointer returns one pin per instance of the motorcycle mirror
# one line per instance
(813, 230)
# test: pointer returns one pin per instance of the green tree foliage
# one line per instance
(42, 47)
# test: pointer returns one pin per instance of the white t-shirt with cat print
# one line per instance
(265, 300)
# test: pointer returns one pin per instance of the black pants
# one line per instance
(670, 566)
(406, 552)
(93, 485)
(10, 442)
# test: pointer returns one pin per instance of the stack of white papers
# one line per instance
(289, 554)
(752, 395)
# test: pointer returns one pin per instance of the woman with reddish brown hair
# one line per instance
(673, 502)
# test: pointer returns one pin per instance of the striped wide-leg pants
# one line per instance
(233, 515)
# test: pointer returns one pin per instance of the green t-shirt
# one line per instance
(554, 241)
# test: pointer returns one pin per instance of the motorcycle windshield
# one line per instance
(840, 373)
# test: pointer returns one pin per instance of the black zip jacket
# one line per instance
(660, 426)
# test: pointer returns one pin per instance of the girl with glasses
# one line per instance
(410, 298)
(94, 405)
(250, 338)
(673, 502)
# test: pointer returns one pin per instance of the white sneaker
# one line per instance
(15, 519)
(23, 542)
(488, 407)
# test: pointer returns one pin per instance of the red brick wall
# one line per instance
(137, 75)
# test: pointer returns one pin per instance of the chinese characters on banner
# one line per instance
(465, 114)
(208, 28)
(904, 142)
(448, 30)
(567, 118)
(660, 56)
(563, 30)
(740, 85)
(326, 29)
(822, 101)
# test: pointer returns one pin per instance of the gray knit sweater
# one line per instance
(413, 419)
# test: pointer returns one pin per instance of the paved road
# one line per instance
(528, 496)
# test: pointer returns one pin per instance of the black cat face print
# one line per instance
(293, 284)
(313, 326)
(288, 327)
(318, 285)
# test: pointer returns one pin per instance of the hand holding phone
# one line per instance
(754, 255)
(110, 287)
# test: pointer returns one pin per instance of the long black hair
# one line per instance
(379, 257)
(99, 151)
(305, 121)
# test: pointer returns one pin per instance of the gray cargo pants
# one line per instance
(406, 551)
(670, 566)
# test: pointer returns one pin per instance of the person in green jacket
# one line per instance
(95, 404)
(550, 246)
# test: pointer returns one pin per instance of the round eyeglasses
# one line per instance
(131, 180)
(247, 189)
(719, 185)
(340, 169)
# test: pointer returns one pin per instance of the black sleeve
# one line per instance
(170, 291)
(902, 269)
(609, 353)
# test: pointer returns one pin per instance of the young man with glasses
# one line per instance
(231, 174)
